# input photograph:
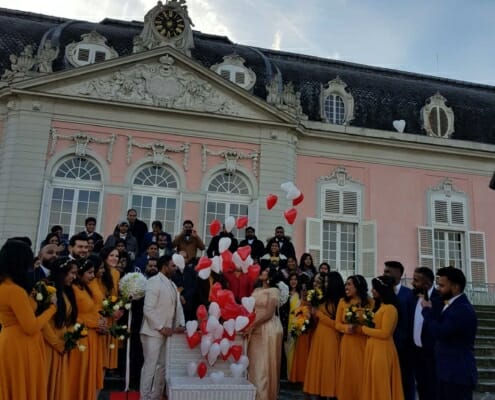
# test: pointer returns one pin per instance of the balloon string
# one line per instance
(128, 352)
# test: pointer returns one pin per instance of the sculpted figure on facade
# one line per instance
(46, 55)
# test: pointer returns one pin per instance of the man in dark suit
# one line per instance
(403, 331)
(284, 243)
(137, 227)
(423, 341)
(257, 246)
(454, 332)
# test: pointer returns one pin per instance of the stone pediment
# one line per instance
(164, 82)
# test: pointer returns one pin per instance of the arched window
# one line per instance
(438, 117)
(75, 194)
(336, 103)
(229, 194)
(155, 196)
(334, 109)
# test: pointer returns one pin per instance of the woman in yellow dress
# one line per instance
(382, 377)
(63, 273)
(109, 285)
(323, 359)
(265, 337)
(353, 343)
(23, 372)
(294, 303)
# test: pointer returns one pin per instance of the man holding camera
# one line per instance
(188, 240)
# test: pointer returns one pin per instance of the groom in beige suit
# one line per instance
(163, 316)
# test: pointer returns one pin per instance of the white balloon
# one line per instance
(293, 193)
(244, 360)
(229, 223)
(241, 322)
(217, 377)
(237, 260)
(191, 327)
(213, 353)
(237, 370)
(214, 309)
(399, 125)
(192, 368)
(225, 346)
(204, 273)
(248, 303)
(246, 264)
(205, 345)
(229, 326)
(224, 244)
(218, 332)
(212, 324)
(179, 261)
(286, 186)
(216, 264)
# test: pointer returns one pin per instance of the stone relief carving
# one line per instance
(447, 187)
(159, 84)
(46, 55)
(234, 64)
(21, 65)
(90, 41)
(285, 98)
(231, 158)
(158, 150)
(340, 176)
(81, 143)
(442, 125)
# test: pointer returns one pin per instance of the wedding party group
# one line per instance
(65, 316)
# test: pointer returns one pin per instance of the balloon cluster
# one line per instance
(293, 194)
(215, 330)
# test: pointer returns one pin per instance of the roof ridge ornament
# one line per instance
(285, 97)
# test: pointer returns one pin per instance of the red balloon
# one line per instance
(204, 262)
(202, 326)
(224, 297)
(253, 272)
(194, 340)
(215, 227)
(201, 312)
(271, 200)
(214, 290)
(227, 263)
(244, 252)
(230, 337)
(231, 311)
(290, 215)
(202, 368)
(236, 351)
(298, 200)
(241, 222)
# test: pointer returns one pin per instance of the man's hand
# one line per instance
(425, 304)
(166, 332)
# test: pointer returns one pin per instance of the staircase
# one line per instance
(485, 348)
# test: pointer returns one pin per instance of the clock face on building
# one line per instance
(169, 24)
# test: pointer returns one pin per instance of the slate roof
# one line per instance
(380, 95)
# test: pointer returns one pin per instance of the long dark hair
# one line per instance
(107, 274)
(16, 258)
(384, 285)
(60, 268)
(302, 265)
(83, 265)
(361, 289)
(334, 291)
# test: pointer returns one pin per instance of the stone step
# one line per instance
(486, 386)
(484, 330)
(485, 314)
(484, 351)
(485, 361)
(485, 340)
(480, 307)
(486, 374)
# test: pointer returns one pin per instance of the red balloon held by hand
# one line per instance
(215, 227)
(202, 368)
(253, 272)
(290, 215)
(194, 340)
(271, 200)
(241, 222)
(201, 312)
(244, 252)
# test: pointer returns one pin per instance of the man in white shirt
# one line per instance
(163, 316)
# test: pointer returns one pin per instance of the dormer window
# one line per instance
(91, 49)
(336, 103)
(233, 69)
(438, 118)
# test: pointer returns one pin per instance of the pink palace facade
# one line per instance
(99, 118)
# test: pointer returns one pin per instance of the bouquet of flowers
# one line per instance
(72, 337)
(368, 316)
(315, 297)
(352, 315)
(302, 322)
(112, 304)
(119, 331)
(284, 293)
(133, 286)
(43, 293)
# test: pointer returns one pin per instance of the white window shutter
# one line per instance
(425, 247)
(441, 211)
(313, 238)
(332, 201)
(367, 241)
(350, 206)
(477, 258)
(457, 213)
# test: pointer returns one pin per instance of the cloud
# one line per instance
(277, 39)
(208, 19)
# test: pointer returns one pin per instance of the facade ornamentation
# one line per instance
(21, 66)
(46, 55)
(233, 66)
(166, 25)
(91, 43)
(438, 118)
(81, 143)
(340, 176)
(159, 84)
(285, 98)
(447, 187)
(337, 87)
(159, 150)
(231, 158)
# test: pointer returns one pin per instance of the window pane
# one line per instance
(79, 168)
(228, 183)
(339, 246)
(61, 208)
(156, 177)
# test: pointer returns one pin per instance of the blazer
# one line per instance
(403, 331)
(162, 307)
(427, 339)
(454, 332)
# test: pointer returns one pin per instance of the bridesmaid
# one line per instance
(265, 337)
(22, 362)
(294, 302)
(63, 273)
(382, 378)
(83, 365)
(109, 284)
(323, 359)
(353, 343)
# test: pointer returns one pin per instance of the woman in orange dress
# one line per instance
(382, 378)
(323, 358)
(353, 343)
(23, 372)
(63, 273)
(294, 303)
(83, 362)
(109, 284)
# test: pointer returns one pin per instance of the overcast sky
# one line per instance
(449, 38)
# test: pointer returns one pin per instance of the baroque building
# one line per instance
(96, 118)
